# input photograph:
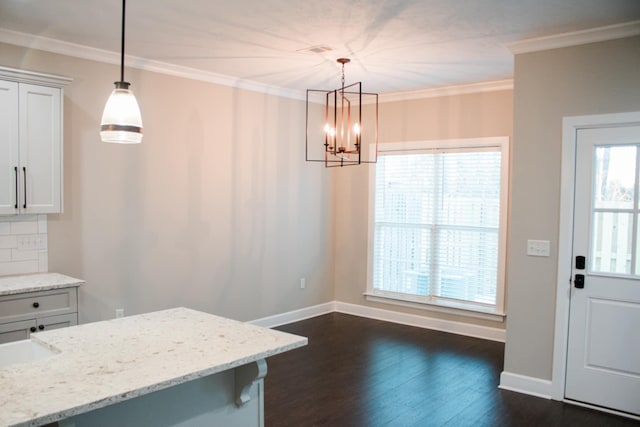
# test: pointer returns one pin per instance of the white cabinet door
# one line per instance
(8, 147)
(40, 149)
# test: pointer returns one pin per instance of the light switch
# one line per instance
(538, 247)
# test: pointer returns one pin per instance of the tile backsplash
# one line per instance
(23, 244)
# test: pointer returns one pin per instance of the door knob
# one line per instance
(578, 282)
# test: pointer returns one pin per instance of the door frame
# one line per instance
(570, 127)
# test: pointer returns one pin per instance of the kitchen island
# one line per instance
(172, 367)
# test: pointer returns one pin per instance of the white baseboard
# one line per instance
(295, 315)
(527, 385)
(460, 328)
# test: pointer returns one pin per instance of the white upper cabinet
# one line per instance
(8, 146)
(30, 142)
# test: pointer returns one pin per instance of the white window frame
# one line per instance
(463, 308)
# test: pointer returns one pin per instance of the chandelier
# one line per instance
(345, 131)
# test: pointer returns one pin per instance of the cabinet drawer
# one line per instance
(38, 304)
(16, 331)
(57, 322)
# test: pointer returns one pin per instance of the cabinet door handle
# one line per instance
(32, 329)
(15, 169)
(36, 304)
(41, 327)
(24, 171)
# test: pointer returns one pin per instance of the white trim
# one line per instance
(295, 315)
(524, 384)
(105, 56)
(576, 38)
(33, 77)
(456, 308)
(459, 328)
(492, 141)
(570, 126)
(463, 89)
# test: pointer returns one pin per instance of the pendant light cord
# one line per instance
(122, 45)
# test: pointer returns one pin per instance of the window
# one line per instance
(438, 223)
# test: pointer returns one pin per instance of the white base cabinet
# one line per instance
(24, 313)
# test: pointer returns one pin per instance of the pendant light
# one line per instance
(121, 120)
(345, 131)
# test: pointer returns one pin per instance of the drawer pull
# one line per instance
(36, 304)
(41, 327)
(32, 329)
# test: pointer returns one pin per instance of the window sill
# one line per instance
(458, 308)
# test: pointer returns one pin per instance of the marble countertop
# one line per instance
(106, 362)
(36, 282)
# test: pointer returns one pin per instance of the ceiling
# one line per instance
(394, 45)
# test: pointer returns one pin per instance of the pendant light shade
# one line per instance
(121, 120)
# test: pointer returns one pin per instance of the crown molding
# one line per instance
(109, 57)
(25, 76)
(105, 56)
(593, 35)
(465, 89)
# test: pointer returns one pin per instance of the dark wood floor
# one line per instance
(359, 372)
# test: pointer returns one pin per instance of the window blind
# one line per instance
(436, 224)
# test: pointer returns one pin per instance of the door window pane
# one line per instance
(611, 244)
(615, 174)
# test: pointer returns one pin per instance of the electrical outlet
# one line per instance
(303, 283)
(119, 313)
(33, 242)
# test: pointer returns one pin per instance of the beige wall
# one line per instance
(590, 79)
(216, 210)
(462, 116)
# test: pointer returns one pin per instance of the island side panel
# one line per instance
(204, 402)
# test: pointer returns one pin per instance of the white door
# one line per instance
(603, 356)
